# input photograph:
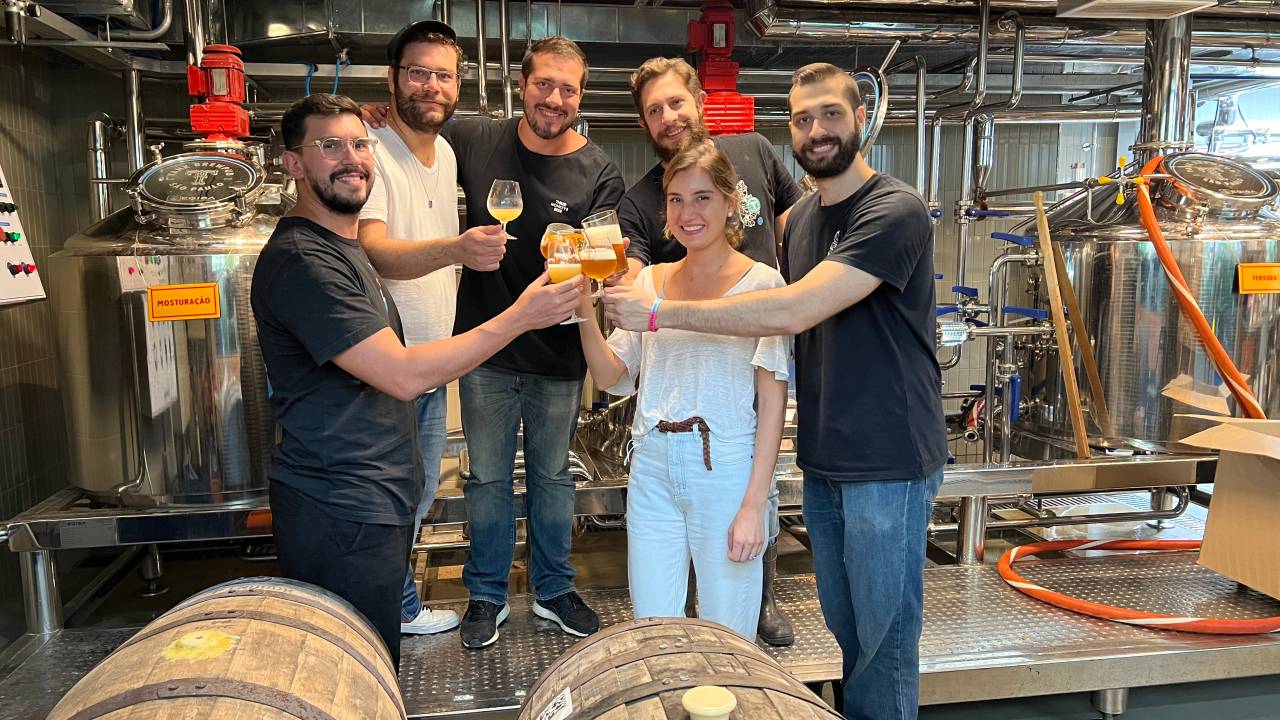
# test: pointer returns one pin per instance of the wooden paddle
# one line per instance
(1065, 357)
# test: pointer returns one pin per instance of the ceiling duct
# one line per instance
(1130, 9)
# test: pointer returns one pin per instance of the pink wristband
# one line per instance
(653, 315)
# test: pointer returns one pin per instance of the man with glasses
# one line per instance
(409, 228)
(346, 478)
(536, 381)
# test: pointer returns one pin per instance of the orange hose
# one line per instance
(1128, 616)
(1181, 290)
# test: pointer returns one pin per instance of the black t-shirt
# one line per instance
(554, 188)
(867, 380)
(767, 191)
(346, 444)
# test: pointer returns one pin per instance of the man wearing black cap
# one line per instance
(413, 200)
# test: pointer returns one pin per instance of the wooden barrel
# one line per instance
(261, 648)
(641, 669)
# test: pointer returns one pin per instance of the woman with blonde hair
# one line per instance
(709, 412)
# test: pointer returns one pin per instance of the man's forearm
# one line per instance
(756, 314)
(397, 259)
(437, 363)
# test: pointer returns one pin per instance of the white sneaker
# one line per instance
(430, 621)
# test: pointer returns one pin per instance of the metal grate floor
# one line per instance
(981, 640)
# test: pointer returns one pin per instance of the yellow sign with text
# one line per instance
(198, 301)
(1259, 278)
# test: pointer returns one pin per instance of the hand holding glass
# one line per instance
(564, 264)
(603, 231)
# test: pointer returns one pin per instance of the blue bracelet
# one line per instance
(653, 315)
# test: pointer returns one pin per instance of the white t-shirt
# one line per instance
(399, 198)
(683, 373)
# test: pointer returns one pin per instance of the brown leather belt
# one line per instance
(685, 426)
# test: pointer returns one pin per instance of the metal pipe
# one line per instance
(971, 546)
(965, 84)
(482, 86)
(193, 30)
(770, 21)
(88, 44)
(134, 126)
(4, 534)
(505, 60)
(922, 70)
(966, 196)
(1052, 521)
(160, 29)
(1167, 112)
(444, 10)
(99, 163)
(41, 597)
(995, 299)
(1253, 8)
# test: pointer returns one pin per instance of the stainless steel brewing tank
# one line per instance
(169, 412)
(1151, 362)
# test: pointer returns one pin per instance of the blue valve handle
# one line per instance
(1015, 396)
(947, 309)
(965, 290)
(935, 214)
(1035, 313)
(976, 322)
(976, 212)
(1022, 240)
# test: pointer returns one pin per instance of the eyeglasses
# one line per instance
(333, 148)
(421, 76)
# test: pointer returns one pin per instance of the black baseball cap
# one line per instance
(414, 31)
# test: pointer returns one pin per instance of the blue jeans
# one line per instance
(868, 553)
(494, 402)
(678, 511)
(431, 436)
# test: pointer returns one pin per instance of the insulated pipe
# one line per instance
(98, 136)
(482, 86)
(1167, 110)
(193, 32)
(134, 125)
(504, 21)
(160, 30)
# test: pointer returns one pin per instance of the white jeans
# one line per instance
(677, 510)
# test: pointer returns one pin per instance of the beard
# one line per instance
(331, 192)
(694, 131)
(548, 129)
(416, 117)
(837, 163)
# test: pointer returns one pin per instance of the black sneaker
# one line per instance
(480, 623)
(569, 612)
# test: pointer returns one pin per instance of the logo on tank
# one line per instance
(748, 207)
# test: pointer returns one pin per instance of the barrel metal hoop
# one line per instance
(317, 631)
(654, 687)
(241, 591)
(617, 661)
(206, 687)
(619, 629)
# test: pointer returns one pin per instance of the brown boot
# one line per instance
(774, 628)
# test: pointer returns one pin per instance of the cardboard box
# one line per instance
(1137, 473)
(1242, 535)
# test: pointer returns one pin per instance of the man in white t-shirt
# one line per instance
(409, 228)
